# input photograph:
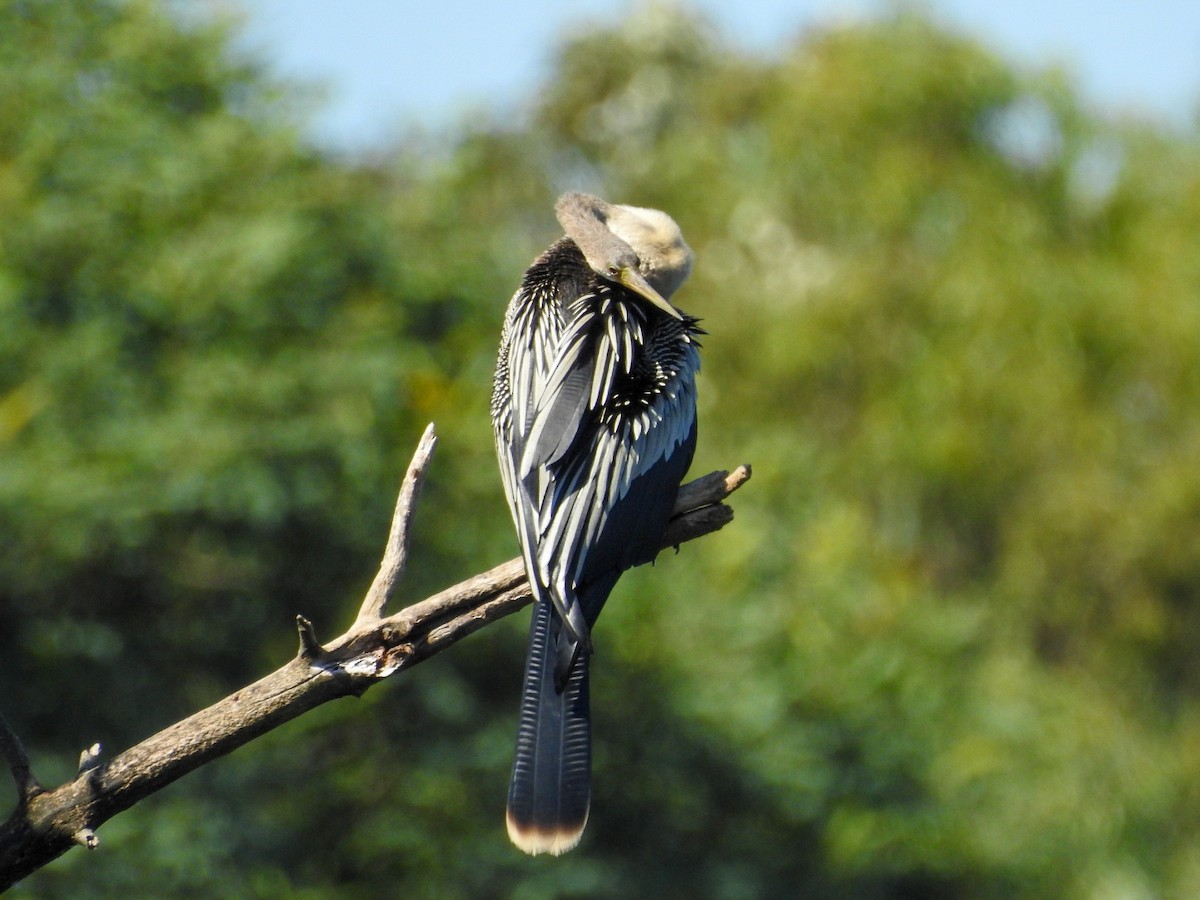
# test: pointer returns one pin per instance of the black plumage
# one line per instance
(595, 420)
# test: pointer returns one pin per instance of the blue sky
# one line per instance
(389, 64)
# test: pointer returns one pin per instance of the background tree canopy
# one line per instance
(948, 649)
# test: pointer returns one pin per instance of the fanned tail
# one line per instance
(550, 792)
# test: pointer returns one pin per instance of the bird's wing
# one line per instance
(532, 331)
(586, 446)
(560, 399)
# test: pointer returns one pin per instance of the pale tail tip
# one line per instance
(534, 840)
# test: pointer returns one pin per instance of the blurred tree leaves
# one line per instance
(948, 648)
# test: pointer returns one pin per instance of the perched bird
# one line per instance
(594, 410)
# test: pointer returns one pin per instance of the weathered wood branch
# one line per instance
(18, 763)
(47, 823)
(395, 554)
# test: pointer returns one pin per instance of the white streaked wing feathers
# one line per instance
(559, 517)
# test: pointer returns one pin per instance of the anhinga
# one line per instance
(594, 410)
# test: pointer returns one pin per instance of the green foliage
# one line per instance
(948, 647)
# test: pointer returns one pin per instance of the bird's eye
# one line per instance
(614, 271)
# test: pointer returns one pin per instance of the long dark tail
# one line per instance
(550, 792)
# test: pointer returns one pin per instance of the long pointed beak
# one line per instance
(633, 280)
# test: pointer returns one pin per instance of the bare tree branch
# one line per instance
(395, 555)
(48, 823)
(18, 763)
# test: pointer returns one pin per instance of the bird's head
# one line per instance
(641, 249)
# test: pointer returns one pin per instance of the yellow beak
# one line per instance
(633, 280)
